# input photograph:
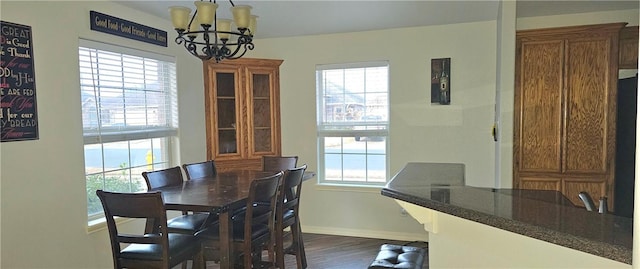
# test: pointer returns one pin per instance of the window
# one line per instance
(353, 120)
(129, 117)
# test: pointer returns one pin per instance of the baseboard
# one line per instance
(366, 233)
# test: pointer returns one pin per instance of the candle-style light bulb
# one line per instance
(223, 25)
(179, 17)
(206, 12)
(241, 16)
(253, 25)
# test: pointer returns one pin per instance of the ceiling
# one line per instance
(308, 17)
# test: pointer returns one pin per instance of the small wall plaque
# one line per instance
(441, 81)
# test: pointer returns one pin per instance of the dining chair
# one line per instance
(252, 229)
(287, 218)
(161, 249)
(188, 222)
(278, 163)
(201, 169)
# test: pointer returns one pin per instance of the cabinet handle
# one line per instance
(494, 132)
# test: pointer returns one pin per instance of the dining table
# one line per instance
(219, 195)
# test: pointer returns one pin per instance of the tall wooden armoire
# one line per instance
(565, 110)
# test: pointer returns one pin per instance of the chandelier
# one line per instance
(206, 40)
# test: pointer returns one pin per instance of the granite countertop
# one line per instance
(543, 215)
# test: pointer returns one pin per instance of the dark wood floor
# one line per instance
(338, 252)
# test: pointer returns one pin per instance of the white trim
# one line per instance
(345, 187)
(320, 67)
(125, 50)
(352, 133)
(100, 224)
(376, 234)
(340, 122)
(124, 135)
(166, 70)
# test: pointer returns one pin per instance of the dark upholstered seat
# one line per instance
(394, 256)
(160, 249)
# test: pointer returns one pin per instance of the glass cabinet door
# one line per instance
(226, 113)
(262, 120)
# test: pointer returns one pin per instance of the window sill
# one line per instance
(348, 188)
(101, 224)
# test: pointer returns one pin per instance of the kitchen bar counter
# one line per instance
(542, 215)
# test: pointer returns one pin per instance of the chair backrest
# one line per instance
(149, 206)
(279, 163)
(289, 194)
(162, 178)
(201, 169)
(261, 203)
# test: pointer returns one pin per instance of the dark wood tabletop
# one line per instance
(209, 194)
(217, 195)
(223, 191)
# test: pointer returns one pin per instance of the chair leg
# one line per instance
(248, 260)
(256, 258)
(279, 248)
(271, 250)
(198, 261)
(301, 256)
(295, 246)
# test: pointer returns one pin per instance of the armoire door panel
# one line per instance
(540, 183)
(588, 86)
(596, 188)
(541, 76)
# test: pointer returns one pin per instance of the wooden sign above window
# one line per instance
(111, 25)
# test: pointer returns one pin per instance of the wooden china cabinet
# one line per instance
(565, 110)
(242, 112)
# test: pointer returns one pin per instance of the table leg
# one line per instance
(226, 233)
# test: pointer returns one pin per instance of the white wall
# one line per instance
(505, 94)
(419, 131)
(44, 215)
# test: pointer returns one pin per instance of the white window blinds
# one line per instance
(126, 96)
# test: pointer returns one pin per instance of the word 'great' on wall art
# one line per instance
(18, 113)
(441, 81)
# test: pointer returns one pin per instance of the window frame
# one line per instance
(365, 128)
(161, 135)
